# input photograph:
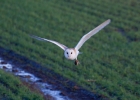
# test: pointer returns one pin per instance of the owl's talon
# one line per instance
(76, 62)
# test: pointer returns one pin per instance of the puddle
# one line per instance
(45, 88)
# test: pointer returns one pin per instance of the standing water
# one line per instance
(44, 87)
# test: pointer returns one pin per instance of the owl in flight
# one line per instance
(72, 53)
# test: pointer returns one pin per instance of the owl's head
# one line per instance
(70, 54)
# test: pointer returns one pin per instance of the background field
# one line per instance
(109, 64)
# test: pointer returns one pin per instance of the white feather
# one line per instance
(91, 33)
(54, 42)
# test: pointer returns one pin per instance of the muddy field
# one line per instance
(48, 82)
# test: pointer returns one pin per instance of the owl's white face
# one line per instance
(70, 54)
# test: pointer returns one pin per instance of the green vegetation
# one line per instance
(12, 89)
(110, 59)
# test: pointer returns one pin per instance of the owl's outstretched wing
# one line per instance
(91, 33)
(54, 42)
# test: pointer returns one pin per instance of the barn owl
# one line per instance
(72, 53)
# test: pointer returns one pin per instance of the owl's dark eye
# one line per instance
(67, 52)
(71, 52)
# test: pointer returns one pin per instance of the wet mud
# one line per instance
(48, 82)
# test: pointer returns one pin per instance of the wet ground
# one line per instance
(44, 87)
(48, 82)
